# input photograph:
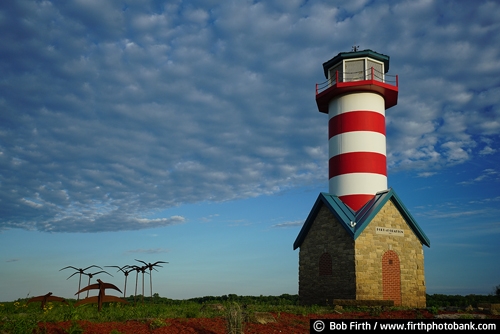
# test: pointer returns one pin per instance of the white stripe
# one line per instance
(357, 141)
(356, 102)
(357, 183)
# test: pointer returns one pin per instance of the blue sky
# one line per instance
(187, 132)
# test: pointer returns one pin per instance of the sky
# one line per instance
(188, 132)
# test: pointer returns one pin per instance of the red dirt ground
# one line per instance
(285, 323)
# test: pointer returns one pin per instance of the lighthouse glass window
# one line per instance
(332, 80)
(354, 70)
(378, 70)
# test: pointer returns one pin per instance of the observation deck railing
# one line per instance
(370, 74)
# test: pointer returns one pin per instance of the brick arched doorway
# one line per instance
(391, 277)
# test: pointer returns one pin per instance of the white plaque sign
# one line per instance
(389, 231)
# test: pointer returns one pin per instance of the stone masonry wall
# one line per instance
(369, 249)
(326, 235)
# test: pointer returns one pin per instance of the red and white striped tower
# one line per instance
(355, 96)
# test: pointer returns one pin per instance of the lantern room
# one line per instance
(357, 66)
(351, 72)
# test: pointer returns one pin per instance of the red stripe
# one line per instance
(356, 121)
(357, 162)
(355, 202)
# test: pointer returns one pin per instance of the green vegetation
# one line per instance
(438, 300)
(75, 328)
(21, 317)
(497, 291)
(234, 319)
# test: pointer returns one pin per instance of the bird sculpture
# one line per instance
(101, 297)
(151, 266)
(47, 298)
(92, 275)
(125, 270)
(79, 271)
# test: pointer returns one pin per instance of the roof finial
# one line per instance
(355, 48)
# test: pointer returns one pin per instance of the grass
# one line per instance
(234, 319)
(21, 317)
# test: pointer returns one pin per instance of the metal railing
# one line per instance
(370, 74)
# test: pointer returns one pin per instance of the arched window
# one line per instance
(325, 265)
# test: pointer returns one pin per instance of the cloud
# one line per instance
(486, 200)
(486, 175)
(458, 214)
(209, 218)
(12, 260)
(289, 224)
(426, 174)
(149, 251)
(487, 151)
(112, 113)
(484, 229)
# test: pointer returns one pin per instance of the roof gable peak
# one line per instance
(354, 222)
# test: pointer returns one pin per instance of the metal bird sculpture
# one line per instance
(137, 269)
(143, 271)
(101, 297)
(47, 298)
(79, 271)
(151, 266)
(92, 275)
(125, 270)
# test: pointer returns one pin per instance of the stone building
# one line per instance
(359, 241)
(373, 254)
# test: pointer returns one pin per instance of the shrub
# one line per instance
(234, 319)
(157, 323)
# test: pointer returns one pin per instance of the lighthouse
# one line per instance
(359, 245)
(355, 97)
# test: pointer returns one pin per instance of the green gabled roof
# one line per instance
(355, 222)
